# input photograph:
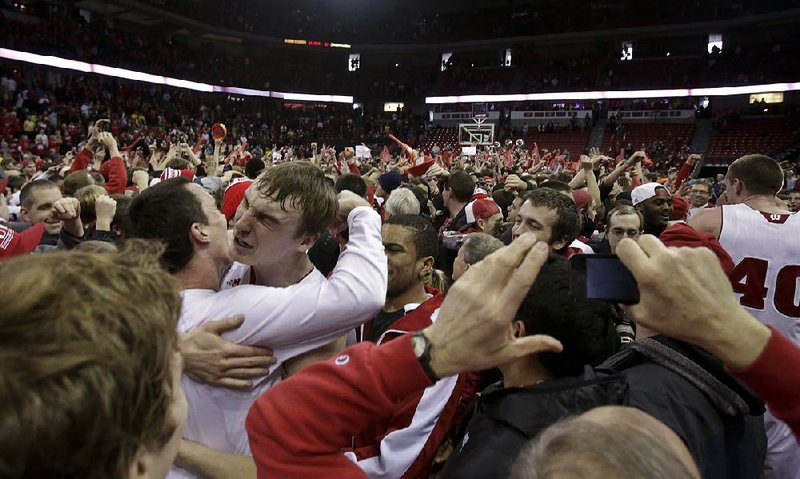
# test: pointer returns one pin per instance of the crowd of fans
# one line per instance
(198, 285)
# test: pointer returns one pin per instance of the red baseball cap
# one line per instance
(16, 244)
(481, 209)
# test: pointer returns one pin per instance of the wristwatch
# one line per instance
(422, 350)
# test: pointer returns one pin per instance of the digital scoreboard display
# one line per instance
(315, 43)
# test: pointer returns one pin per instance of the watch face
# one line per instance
(419, 345)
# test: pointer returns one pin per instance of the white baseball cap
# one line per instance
(646, 191)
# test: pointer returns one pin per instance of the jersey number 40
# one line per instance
(749, 278)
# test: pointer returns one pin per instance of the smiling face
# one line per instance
(266, 233)
(656, 210)
(699, 194)
(39, 209)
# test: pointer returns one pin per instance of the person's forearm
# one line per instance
(738, 342)
(578, 180)
(594, 189)
(193, 158)
(212, 464)
(612, 177)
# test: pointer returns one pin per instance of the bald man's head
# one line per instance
(585, 447)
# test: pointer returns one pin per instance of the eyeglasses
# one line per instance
(629, 233)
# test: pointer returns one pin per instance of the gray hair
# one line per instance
(478, 246)
(580, 448)
(402, 201)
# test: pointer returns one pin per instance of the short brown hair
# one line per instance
(77, 180)
(623, 210)
(86, 363)
(86, 196)
(760, 174)
(462, 185)
(304, 185)
(568, 219)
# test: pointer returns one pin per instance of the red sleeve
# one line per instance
(299, 427)
(775, 376)
(686, 168)
(116, 176)
(354, 169)
(81, 161)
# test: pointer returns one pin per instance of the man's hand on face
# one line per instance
(472, 332)
(210, 359)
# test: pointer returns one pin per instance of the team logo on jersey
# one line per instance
(775, 218)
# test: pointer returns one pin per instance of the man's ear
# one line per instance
(558, 245)
(425, 266)
(481, 223)
(308, 241)
(738, 186)
(23, 214)
(141, 465)
(199, 233)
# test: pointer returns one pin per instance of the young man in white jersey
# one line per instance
(761, 235)
(291, 320)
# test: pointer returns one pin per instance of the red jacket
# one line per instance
(298, 427)
(775, 376)
(405, 444)
(113, 170)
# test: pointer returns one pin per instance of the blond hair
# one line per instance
(87, 196)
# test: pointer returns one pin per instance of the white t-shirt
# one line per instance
(291, 321)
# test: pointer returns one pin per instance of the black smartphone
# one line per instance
(602, 277)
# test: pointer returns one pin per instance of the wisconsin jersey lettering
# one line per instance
(766, 250)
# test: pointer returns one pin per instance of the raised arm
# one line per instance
(307, 315)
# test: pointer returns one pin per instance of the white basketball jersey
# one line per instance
(766, 251)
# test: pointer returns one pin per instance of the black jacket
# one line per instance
(503, 420)
(719, 418)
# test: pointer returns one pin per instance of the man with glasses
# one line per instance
(623, 221)
(699, 195)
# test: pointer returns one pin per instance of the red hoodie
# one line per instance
(113, 170)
